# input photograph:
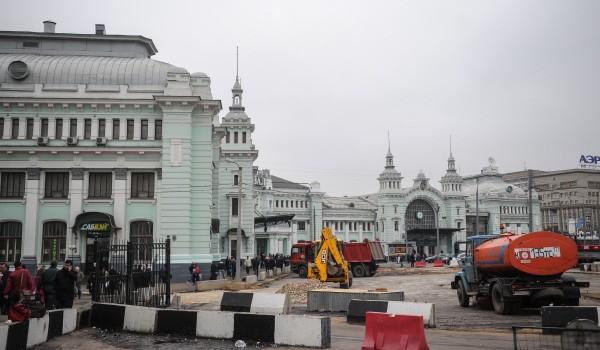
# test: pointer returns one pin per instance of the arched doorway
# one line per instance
(421, 226)
(91, 227)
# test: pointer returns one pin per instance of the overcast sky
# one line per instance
(324, 81)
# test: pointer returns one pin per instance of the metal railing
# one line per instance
(549, 338)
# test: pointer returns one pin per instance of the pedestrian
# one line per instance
(412, 259)
(248, 264)
(401, 260)
(228, 266)
(213, 271)
(232, 264)
(46, 285)
(64, 286)
(164, 277)
(196, 277)
(19, 281)
(191, 269)
(36, 282)
(78, 281)
(256, 264)
(221, 267)
(4, 272)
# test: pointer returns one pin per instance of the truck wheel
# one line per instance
(500, 306)
(463, 298)
(359, 270)
(302, 271)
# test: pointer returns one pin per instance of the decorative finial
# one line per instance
(237, 63)
(389, 145)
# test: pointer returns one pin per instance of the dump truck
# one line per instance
(362, 257)
(329, 264)
(510, 271)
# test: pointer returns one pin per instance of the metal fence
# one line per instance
(550, 338)
(132, 273)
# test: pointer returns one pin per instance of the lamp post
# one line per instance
(437, 229)
(238, 243)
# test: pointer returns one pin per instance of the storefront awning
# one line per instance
(95, 222)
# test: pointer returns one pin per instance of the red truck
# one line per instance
(361, 256)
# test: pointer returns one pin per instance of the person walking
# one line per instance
(64, 286)
(233, 267)
(221, 267)
(46, 285)
(4, 272)
(78, 281)
(18, 281)
(411, 258)
(191, 269)
(248, 265)
(256, 265)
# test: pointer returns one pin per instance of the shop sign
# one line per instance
(589, 162)
(97, 227)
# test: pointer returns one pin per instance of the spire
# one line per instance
(237, 90)
(452, 181)
(390, 179)
(237, 63)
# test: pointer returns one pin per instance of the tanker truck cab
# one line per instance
(509, 271)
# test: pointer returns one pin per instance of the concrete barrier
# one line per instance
(256, 303)
(38, 331)
(139, 319)
(454, 262)
(215, 324)
(251, 279)
(262, 275)
(277, 271)
(338, 299)
(287, 269)
(269, 273)
(560, 316)
(357, 310)
(294, 331)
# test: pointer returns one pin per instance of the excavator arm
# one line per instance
(329, 264)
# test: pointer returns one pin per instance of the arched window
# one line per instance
(140, 235)
(10, 240)
(54, 241)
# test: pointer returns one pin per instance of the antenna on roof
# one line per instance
(389, 147)
(237, 63)
(450, 144)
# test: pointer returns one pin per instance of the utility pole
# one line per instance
(477, 208)
(530, 186)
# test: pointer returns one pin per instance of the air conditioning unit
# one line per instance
(43, 140)
(71, 140)
(101, 141)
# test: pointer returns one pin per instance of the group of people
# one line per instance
(412, 258)
(227, 268)
(55, 288)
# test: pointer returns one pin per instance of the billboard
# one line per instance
(589, 162)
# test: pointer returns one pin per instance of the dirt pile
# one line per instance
(299, 291)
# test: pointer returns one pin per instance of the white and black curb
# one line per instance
(278, 329)
(560, 316)
(357, 310)
(265, 303)
(26, 334)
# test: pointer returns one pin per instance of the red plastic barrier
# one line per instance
(399, 332)
(420, 264)
(438, 263)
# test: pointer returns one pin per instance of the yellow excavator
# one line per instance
(329, 264)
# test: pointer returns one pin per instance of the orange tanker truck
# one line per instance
(510, 271)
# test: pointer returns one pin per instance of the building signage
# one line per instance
(98, 227)
(589, 162)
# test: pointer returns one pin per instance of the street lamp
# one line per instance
(437, 229)
(238, 243)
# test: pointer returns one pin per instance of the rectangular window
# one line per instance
(158, 129)
(1, 127)
(12, 185)
(234, 207)
(227, 137)
(58, 129)
(130, 129)
(116, 129)
(395, 225)
(44, 131)
(100, 185)
(235, 180)
(142, 185)
(29, 134)
(244, 137)
(54, 241)
(87, 129)
(141, 238)
(10, 240)
(57, 185)
(301, 225)
(73, 128)
(144, 133)
(15, 129)
(101, 127)
(235, 137)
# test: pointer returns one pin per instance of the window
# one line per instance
(1, 127)
(116, 129)
(29, 134)
(244, 137)
(58, 129)
(228, 137)
(73, 128)
(12, 185)
(140, 234)
(235, 137)
(142, 185)
(15, 129)
(395, 225)
(101, 127)
(235, 180)
(234, 207)
(54, 241)
(10, 240)
(158, 129)
(57, 185)
(44, 131)
(130, 129)
(301, 225)
(87, 129)
(100, 185)
(144, 134)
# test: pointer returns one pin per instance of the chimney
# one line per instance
(49, 26)
(100, 30)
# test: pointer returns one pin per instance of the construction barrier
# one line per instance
(27, 334)
(332, 300)
(438, 263)
(420, 264)
(399, 332)
(357, 310)
(266, 303)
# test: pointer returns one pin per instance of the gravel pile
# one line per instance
(299, 291)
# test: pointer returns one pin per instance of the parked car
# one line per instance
(441, 256)
(461, 258)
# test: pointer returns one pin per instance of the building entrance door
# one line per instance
(261, 246)
(91, 257)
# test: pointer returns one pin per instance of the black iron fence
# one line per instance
(549, 338)
(132, 273)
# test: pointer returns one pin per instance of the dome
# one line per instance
(87, 70)
(199, 75)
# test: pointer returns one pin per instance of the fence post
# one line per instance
(129, 267)
(168, 268)
(96, 282)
